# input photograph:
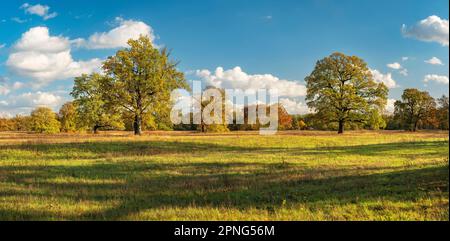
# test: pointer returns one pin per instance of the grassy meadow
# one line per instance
(235, 176)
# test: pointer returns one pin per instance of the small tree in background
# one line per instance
(22, 123)
(284, 119)
(442, 112)
(93, 111)
(68, 117)
(298, 123)
(415, 108)
(6, 124)
(221, 126)
(341, 90)
(375, 121)
(44, 120)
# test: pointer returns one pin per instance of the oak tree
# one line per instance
(140, 79)
(341, 90)
(442, 112)
(415, 107)
(68, 117)
(93, 111)
(43, 120)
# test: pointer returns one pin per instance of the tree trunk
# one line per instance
(341, 127)
(96, 129)
(137, 125)
(415, 127)
(203, 129)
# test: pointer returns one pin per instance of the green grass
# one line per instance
(235, 176)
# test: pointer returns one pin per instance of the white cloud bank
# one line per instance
(390, 107)
(40, 10)
(236, 78)
(24, 103)
(293, 107)
(434, 61)
(441, 79)
(47, 58)
(386, 79)
(36, 99)
(118, 36)
(431, 29)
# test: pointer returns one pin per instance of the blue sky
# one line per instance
(274, 42)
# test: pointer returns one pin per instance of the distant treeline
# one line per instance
(418, 111)
(134, 93)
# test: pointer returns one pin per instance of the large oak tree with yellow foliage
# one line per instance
(341, 89)
(140, 79)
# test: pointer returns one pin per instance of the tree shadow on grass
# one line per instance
(95, 150)
(140, 186)
(270, 191)
(395, 148)
(92, 150)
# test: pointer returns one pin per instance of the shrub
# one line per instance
(44, 120)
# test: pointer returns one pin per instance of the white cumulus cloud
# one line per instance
(383, 78)
(36, 99)
(431, 29)
(395, 65)
(434, 61)
(40, 10)
(399, 67)
(47, 58)
(118, 36)
(38, 39)
(24, 103)
(293, 107)
(236, 78)
(441, 79)
(390, 106)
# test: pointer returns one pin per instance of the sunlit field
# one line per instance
(234, 176)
